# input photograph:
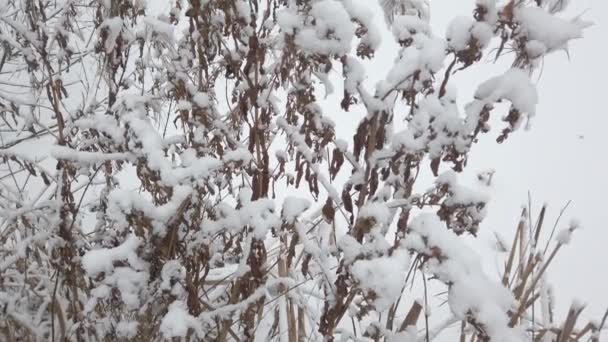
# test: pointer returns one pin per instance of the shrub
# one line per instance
(170, 173)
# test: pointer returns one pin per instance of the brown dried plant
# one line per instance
(150, 154)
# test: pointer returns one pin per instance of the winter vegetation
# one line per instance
(170, 172)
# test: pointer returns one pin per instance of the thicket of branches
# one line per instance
(173, 136)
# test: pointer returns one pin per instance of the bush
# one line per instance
(170, 173)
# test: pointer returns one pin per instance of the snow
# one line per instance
(129, 282)
(113, 27)
(127, 329)
(350, 248)
(332, 33)
(243, 10)
(470, 288)
(492, 12)
(462, 31)
(565, 235)
(425, 56)
(102, 260)
(102, 123)
(384, 276)
(458, 34)
(515, 86)
(407, 140)
(365, 16)
(240, 155)
(289, 21)
(354, 74)
(161, 28)
(535, 49)
(123, 201)
(294, 207)
(201, 100)
(483, 33)
(62, 152)
(379, 212)
(172, 272)
(458, 193)
(259, 215)
(412, 8)
(551, 31)
(406, 26)
(178, 321)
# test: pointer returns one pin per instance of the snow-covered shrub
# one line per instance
(171, 171)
